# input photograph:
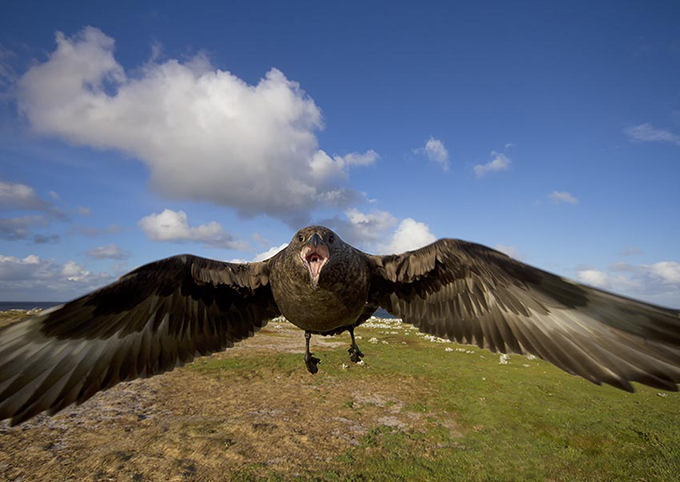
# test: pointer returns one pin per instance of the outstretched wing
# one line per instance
(151, 320)
(475, 295)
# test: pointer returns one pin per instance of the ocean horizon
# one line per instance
(27, 305)
(43, 305)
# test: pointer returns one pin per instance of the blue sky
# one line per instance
(132, 131)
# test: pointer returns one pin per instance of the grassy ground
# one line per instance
(417, 409)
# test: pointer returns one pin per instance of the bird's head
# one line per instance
(316, 246)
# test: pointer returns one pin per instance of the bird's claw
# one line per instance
(312, 362)
(355, 355)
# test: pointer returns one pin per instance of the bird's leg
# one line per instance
(310, 361)
(354, 353)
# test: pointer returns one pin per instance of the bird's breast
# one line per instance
(337, 301)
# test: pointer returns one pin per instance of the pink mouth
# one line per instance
(315, 258)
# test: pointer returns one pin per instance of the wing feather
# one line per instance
(475, 295)
(151, 320)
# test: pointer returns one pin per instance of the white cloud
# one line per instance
(108, 251)
(174, 226)
(435, 151)
(408, 236)
(649, 133)
(593, 277)
(500, 162)
(20, 196)
(375, 231)
(270, 252)
(362, 229)
(14, 269)
(325, 169)
(204, 133)
(368, 227)
(668, 272)
(357, 159)
(16, 228)
(33, 278)
(72, 271)
(54, 195)
(657, 283)
(558, 197)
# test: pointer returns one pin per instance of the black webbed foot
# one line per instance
(355, 354)
(310, 360)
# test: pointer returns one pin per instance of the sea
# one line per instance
(43, 305)
(27, 305)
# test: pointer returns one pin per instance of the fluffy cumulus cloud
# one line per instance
(499, 162)
(270, 252)
(435, 151)
(649, 133)
(380, 231)
(204, 133)
(593, 277)
(174, 226)
(409, 235)
(108, 251)
(560, 197)
(32, 277)
(362, 229)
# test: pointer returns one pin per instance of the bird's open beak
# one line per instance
(315, 255)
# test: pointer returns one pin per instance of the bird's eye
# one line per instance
(331, 238)
(300, 238)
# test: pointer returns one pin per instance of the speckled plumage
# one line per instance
(164, 314)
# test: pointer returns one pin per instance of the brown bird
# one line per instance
(164, 314)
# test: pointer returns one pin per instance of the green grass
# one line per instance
(516, 422)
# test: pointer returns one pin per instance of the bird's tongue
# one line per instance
(315, 261)
(315, 258)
